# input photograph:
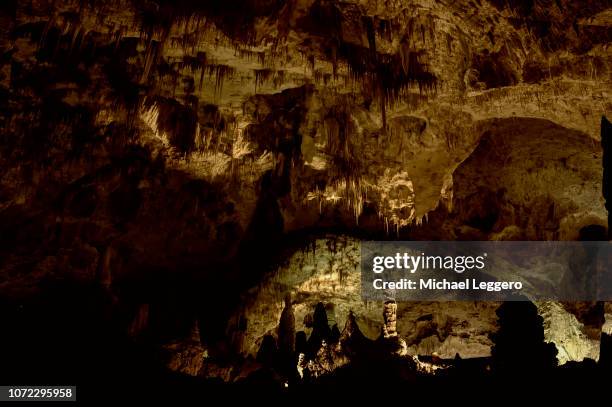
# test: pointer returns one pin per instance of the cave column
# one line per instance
(390, 317)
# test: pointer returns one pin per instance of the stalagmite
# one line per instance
(286, 329)
(390, 318)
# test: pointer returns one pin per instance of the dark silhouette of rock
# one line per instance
(320, 329)
(605, 351)
(320, 322)
(265, 228)
(308, 320)
(352, 341)
(580, 282)
(268, 352)
(519, 342)
(301, 342)
(286, 328)
(335, 334)
(286, 339)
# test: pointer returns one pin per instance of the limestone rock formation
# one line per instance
(353, 342)
(569, 335)
(390, 319)
(520, 341)
(286, 328)
(187, 356)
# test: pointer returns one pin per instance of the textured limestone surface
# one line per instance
(328, 272)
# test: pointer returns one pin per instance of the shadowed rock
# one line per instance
(519, 342)
(320, 329)
(268, 352)
(352, 341)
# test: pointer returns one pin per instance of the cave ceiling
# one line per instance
(376, 101)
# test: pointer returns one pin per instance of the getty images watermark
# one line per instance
(495, 271)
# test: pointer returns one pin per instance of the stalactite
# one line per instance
(179, 122)
(311, 62)
(388, 77)
(248, 54)
(279, 78)
(219, 72)
(262, 76)
(261, 57)
(192, 63)
(371, 35)
(384, 29)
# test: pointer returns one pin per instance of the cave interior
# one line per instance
(184, 187)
